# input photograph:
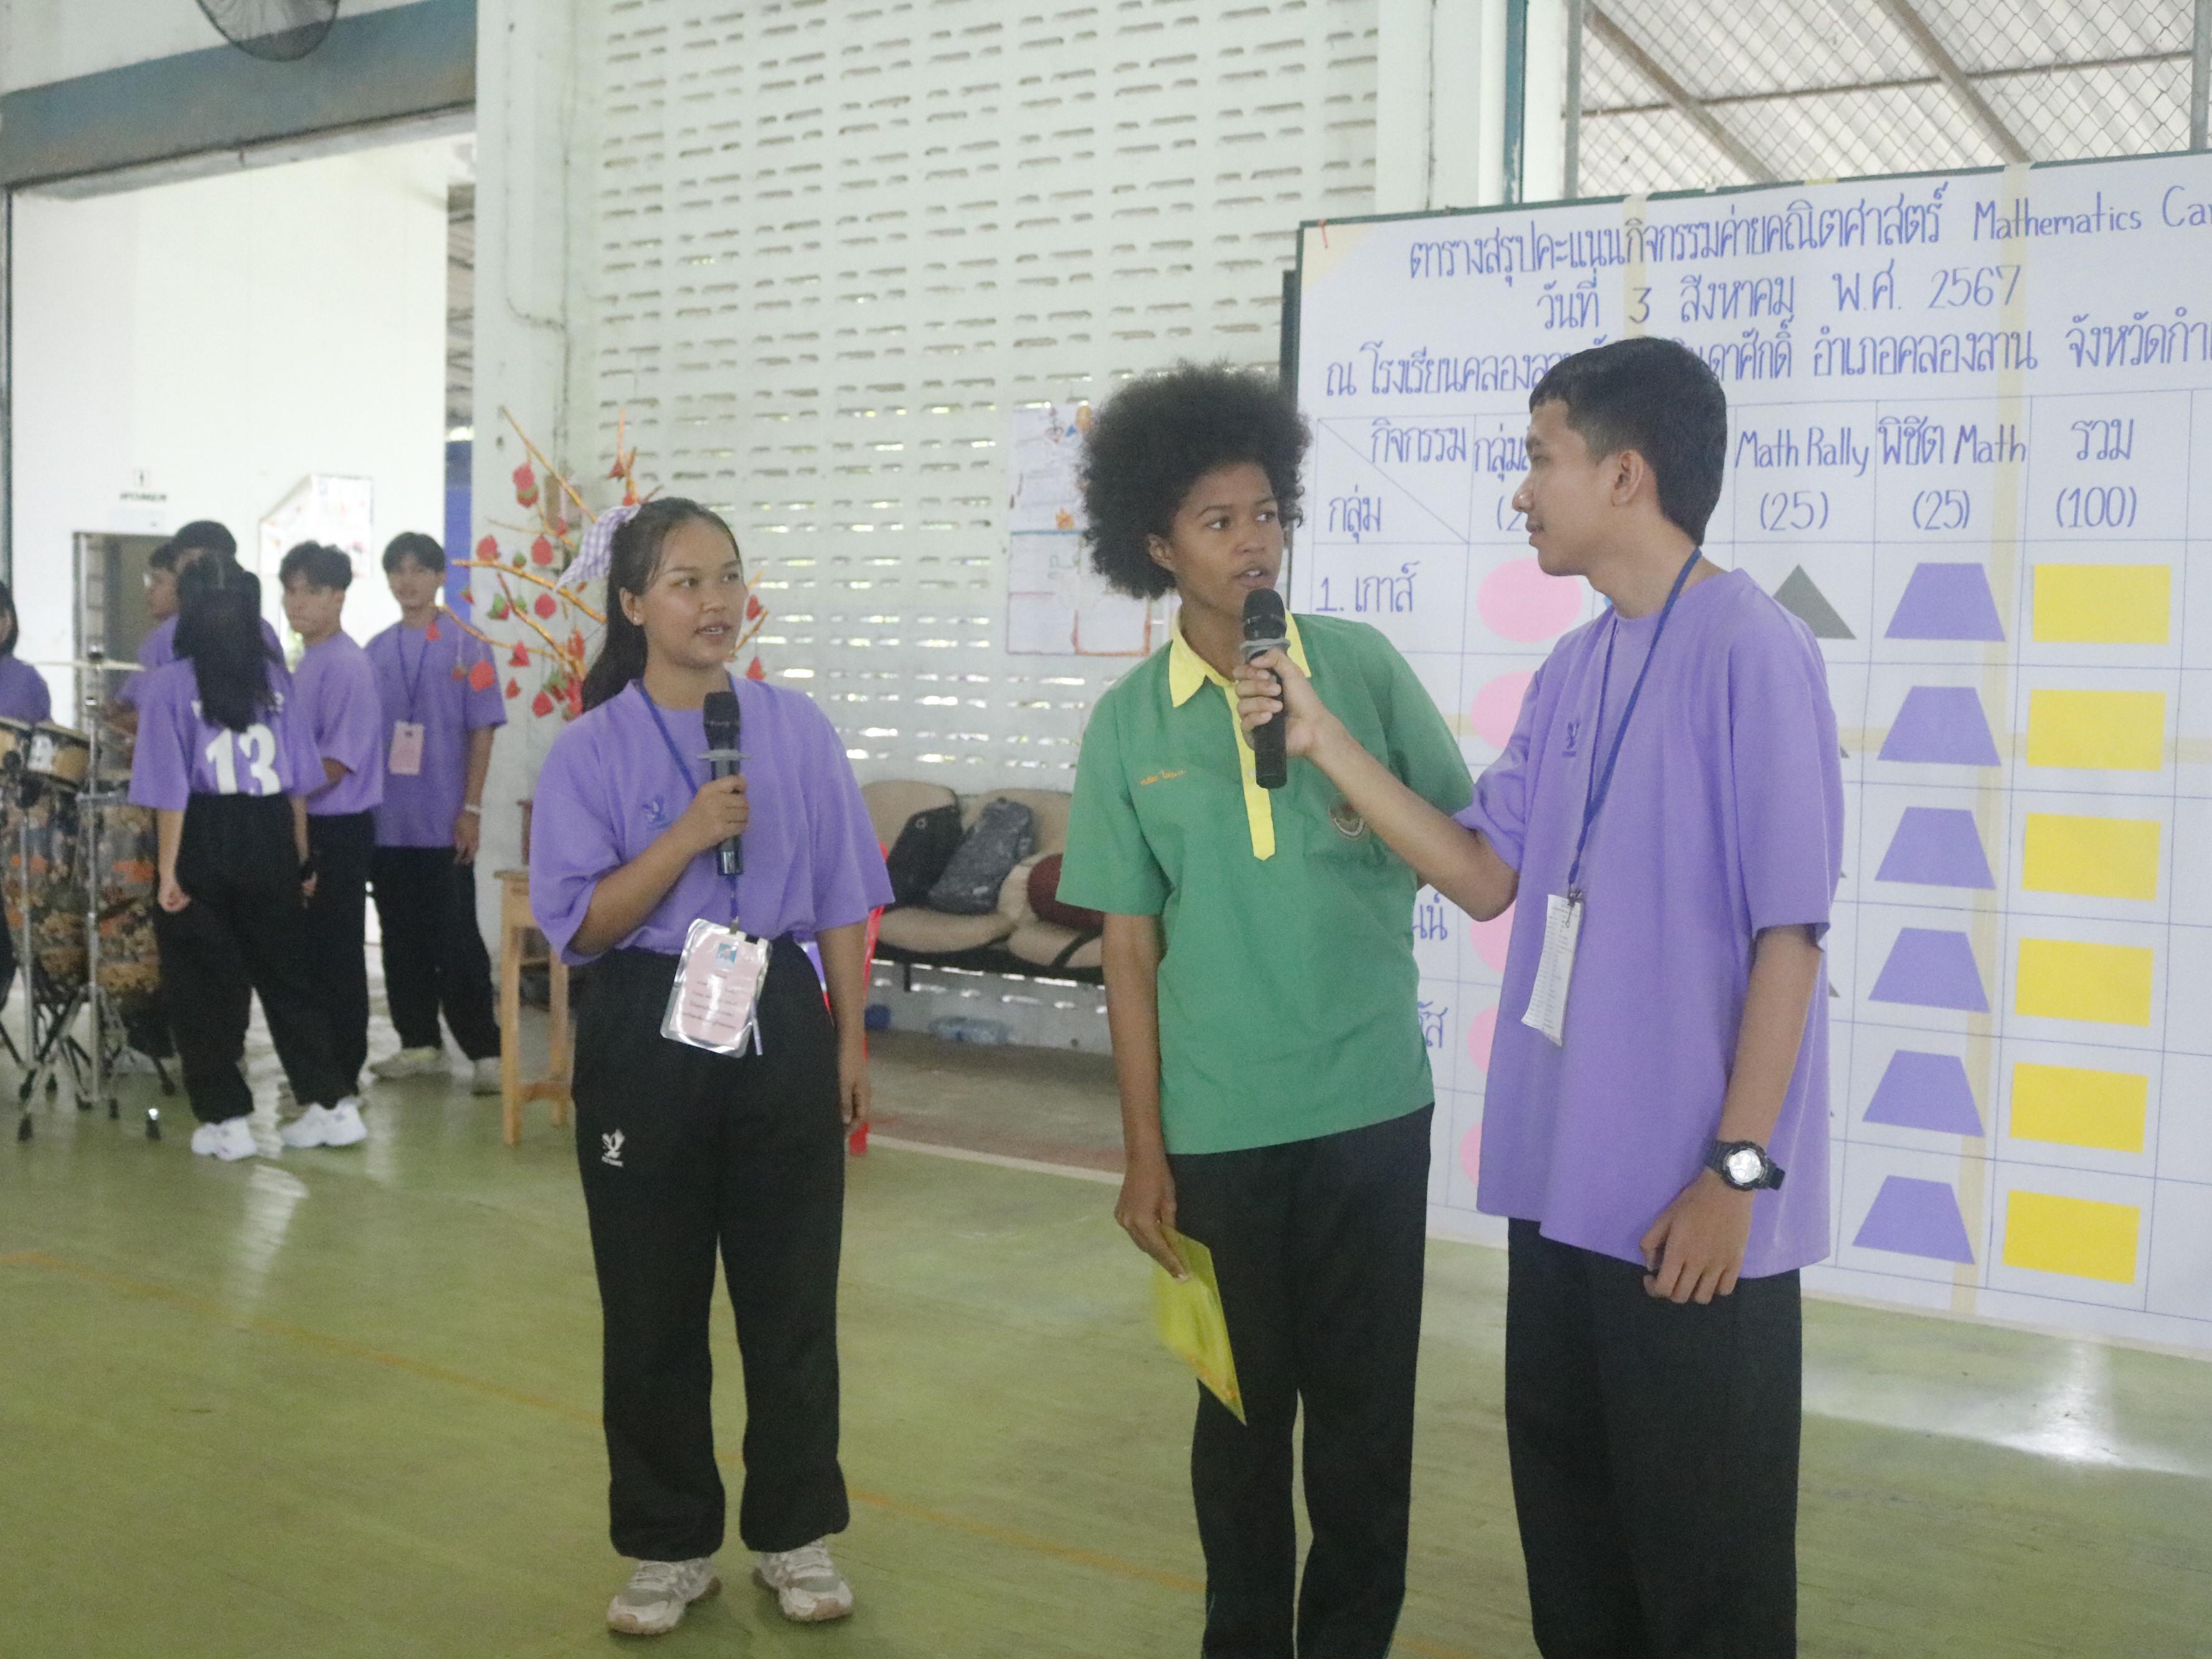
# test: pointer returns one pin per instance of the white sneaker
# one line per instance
(229, 1140)
(411, 1062)
(484, 1076)
(326, 1125)
(808, 1587)
(652, 1603)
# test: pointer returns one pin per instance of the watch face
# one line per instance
(1744, 1165)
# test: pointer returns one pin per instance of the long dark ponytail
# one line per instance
(633, 560)
(219, 630)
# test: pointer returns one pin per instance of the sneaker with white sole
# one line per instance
(326, 1125)
(411, 1062)
(653, 1603)
(229, 1140)
(484, 1076)
(809, 1589)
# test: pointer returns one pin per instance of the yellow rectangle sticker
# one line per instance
(2097, 731)
(2072, 979)
(2104, 604)
(2098, 858)
(2075, 1106)
(2082, 1237)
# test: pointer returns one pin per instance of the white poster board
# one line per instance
(1056, 604)
(1970, 444)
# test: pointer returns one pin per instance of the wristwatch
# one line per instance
(1744, 1165)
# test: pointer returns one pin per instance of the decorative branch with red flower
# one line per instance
(543, 633)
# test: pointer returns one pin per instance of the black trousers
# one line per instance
(245, 932)
(338, 925)
(1655, 1458)
(685, 1154)
(434, 954)
(1319, 1246)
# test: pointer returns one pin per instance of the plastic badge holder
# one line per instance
(715, 1000)
(1188, 1314)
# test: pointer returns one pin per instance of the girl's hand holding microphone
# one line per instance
(717, 812)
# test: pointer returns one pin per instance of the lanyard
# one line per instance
(414, 680)
(684, 766)
(1598, 787)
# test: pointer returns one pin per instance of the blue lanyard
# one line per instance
(690, 777)
(414, 681)
(1598, 787)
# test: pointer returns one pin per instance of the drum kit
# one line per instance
(80, 871)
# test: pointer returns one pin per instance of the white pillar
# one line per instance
(1440, 100)
(1544, 148)
(530, 220)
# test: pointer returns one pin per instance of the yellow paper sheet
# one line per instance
(2097, 731)
(1187, 1313)
(2075, 1106)
(2072, 979)
(2104, 604)
(2079, 1236)
(2097, 858)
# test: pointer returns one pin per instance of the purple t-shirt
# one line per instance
(1725, 817)
(334, 694)
(610, 786)
(181, 753)
(23, 693)
(426, 682)
(159, 649)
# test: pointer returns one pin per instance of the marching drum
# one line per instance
(54, 829)
(57, 753)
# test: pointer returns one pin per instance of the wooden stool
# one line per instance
(517, 932)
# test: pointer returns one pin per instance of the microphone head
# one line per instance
(721, 714)
(1264, 615)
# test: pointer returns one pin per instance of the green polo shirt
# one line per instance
(1287, 986)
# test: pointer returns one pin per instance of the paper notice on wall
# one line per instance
(328, 508)
(1056, 605)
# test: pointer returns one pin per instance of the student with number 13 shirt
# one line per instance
(225, 771)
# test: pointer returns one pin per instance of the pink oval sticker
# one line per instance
(1498, 707)
(1519, 602)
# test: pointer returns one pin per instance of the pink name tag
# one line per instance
(406, 758)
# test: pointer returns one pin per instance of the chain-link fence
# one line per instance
(1692, 94)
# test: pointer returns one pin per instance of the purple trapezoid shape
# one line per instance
(1925, 1091)
(1932, 968)
(1916, 1218)
(1936, 847)
(1947, 602)
(1941, 726)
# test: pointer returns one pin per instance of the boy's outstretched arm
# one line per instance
(1694, 1250)
(1458, 862)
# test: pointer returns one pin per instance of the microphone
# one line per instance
(1266, 627)
(722, 718)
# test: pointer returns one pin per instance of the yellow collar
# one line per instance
(1188, 671)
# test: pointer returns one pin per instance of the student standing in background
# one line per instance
(442, 704)
(224, 769)
(334, 697)
(23, 693)
(1669, 814)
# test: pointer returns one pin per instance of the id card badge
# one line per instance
(715, 1003)
(406, 757)
(1555, 969)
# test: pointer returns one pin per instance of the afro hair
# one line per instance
(1157, 438)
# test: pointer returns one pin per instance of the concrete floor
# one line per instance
(346, 1404)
